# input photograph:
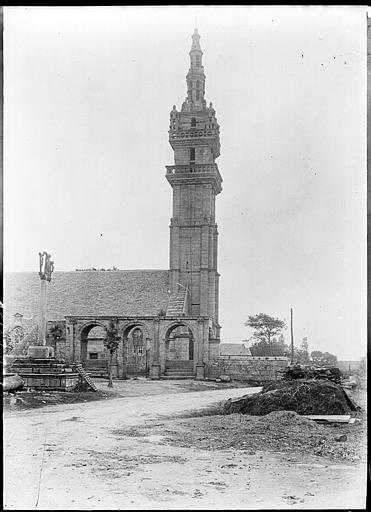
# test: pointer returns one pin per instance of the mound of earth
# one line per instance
(302, 397)
(280, 431)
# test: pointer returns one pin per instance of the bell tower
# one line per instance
(196, 181)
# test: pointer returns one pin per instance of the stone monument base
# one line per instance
(155, 371)
(200, 372)
(40, 352)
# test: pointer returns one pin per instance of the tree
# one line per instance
(301, 354)
(8, 343)
(17, 339)
(281, 340)
(329, 359)
(266, 327)
(260, 348)
(324, 358)
(316, 356)
(305, 345)
(111, 343)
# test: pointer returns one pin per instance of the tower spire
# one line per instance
(195, 78)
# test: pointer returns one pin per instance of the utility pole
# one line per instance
(292, 338)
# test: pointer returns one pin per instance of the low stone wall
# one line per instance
(248, 368)
(51, 381)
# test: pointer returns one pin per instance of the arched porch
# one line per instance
(179, 351)
(147, 346)
(133, 356)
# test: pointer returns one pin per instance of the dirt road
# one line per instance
(72, 457)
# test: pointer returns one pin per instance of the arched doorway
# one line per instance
(179, 350)
(93, 351)
(135, 351)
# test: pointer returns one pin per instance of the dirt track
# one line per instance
(87, 465)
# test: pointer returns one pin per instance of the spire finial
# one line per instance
(195, 40)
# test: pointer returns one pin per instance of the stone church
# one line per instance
(167, 320)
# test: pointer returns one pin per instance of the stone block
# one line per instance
(200, 372)
(40, 352)
(225, 378)
(155, 371)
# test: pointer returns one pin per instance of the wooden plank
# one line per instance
(353, 406)
(86, 377)
(329, 418)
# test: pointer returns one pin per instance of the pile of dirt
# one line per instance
(302, 397)
(279, 431)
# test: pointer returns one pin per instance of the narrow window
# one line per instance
(193, 122)
(198, 84)
(197, 95)
(198, 60)
(192, 154)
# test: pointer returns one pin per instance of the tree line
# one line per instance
(268, 340)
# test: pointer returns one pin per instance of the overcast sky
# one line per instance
(88, 93)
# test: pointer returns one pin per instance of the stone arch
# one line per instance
(179, 344)
(91, 324)
(177, 323)
(92, 350)
(134, 349)
(131, 325)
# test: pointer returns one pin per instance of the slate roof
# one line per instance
(234, 349)
(88, 293)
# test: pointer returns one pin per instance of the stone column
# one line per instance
(120, 358)
(69, 340)
(41, 351)
(42, 313)
(200, 366)
(156, 366)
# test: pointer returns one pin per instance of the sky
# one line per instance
(87, 97)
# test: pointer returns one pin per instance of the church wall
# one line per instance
(248, 368)
(214, 350)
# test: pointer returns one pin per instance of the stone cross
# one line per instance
(46, 267)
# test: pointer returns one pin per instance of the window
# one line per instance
(192, 154)
(198, 84)
(137, 340)
(93, 355)
(198, 60)
(193, 122)
(140, 350)
(197, 95)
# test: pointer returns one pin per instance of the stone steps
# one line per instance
(176, 303)
(97, 372)
(179, 365)
(178, 369)
(179, 372)
(179, 375)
